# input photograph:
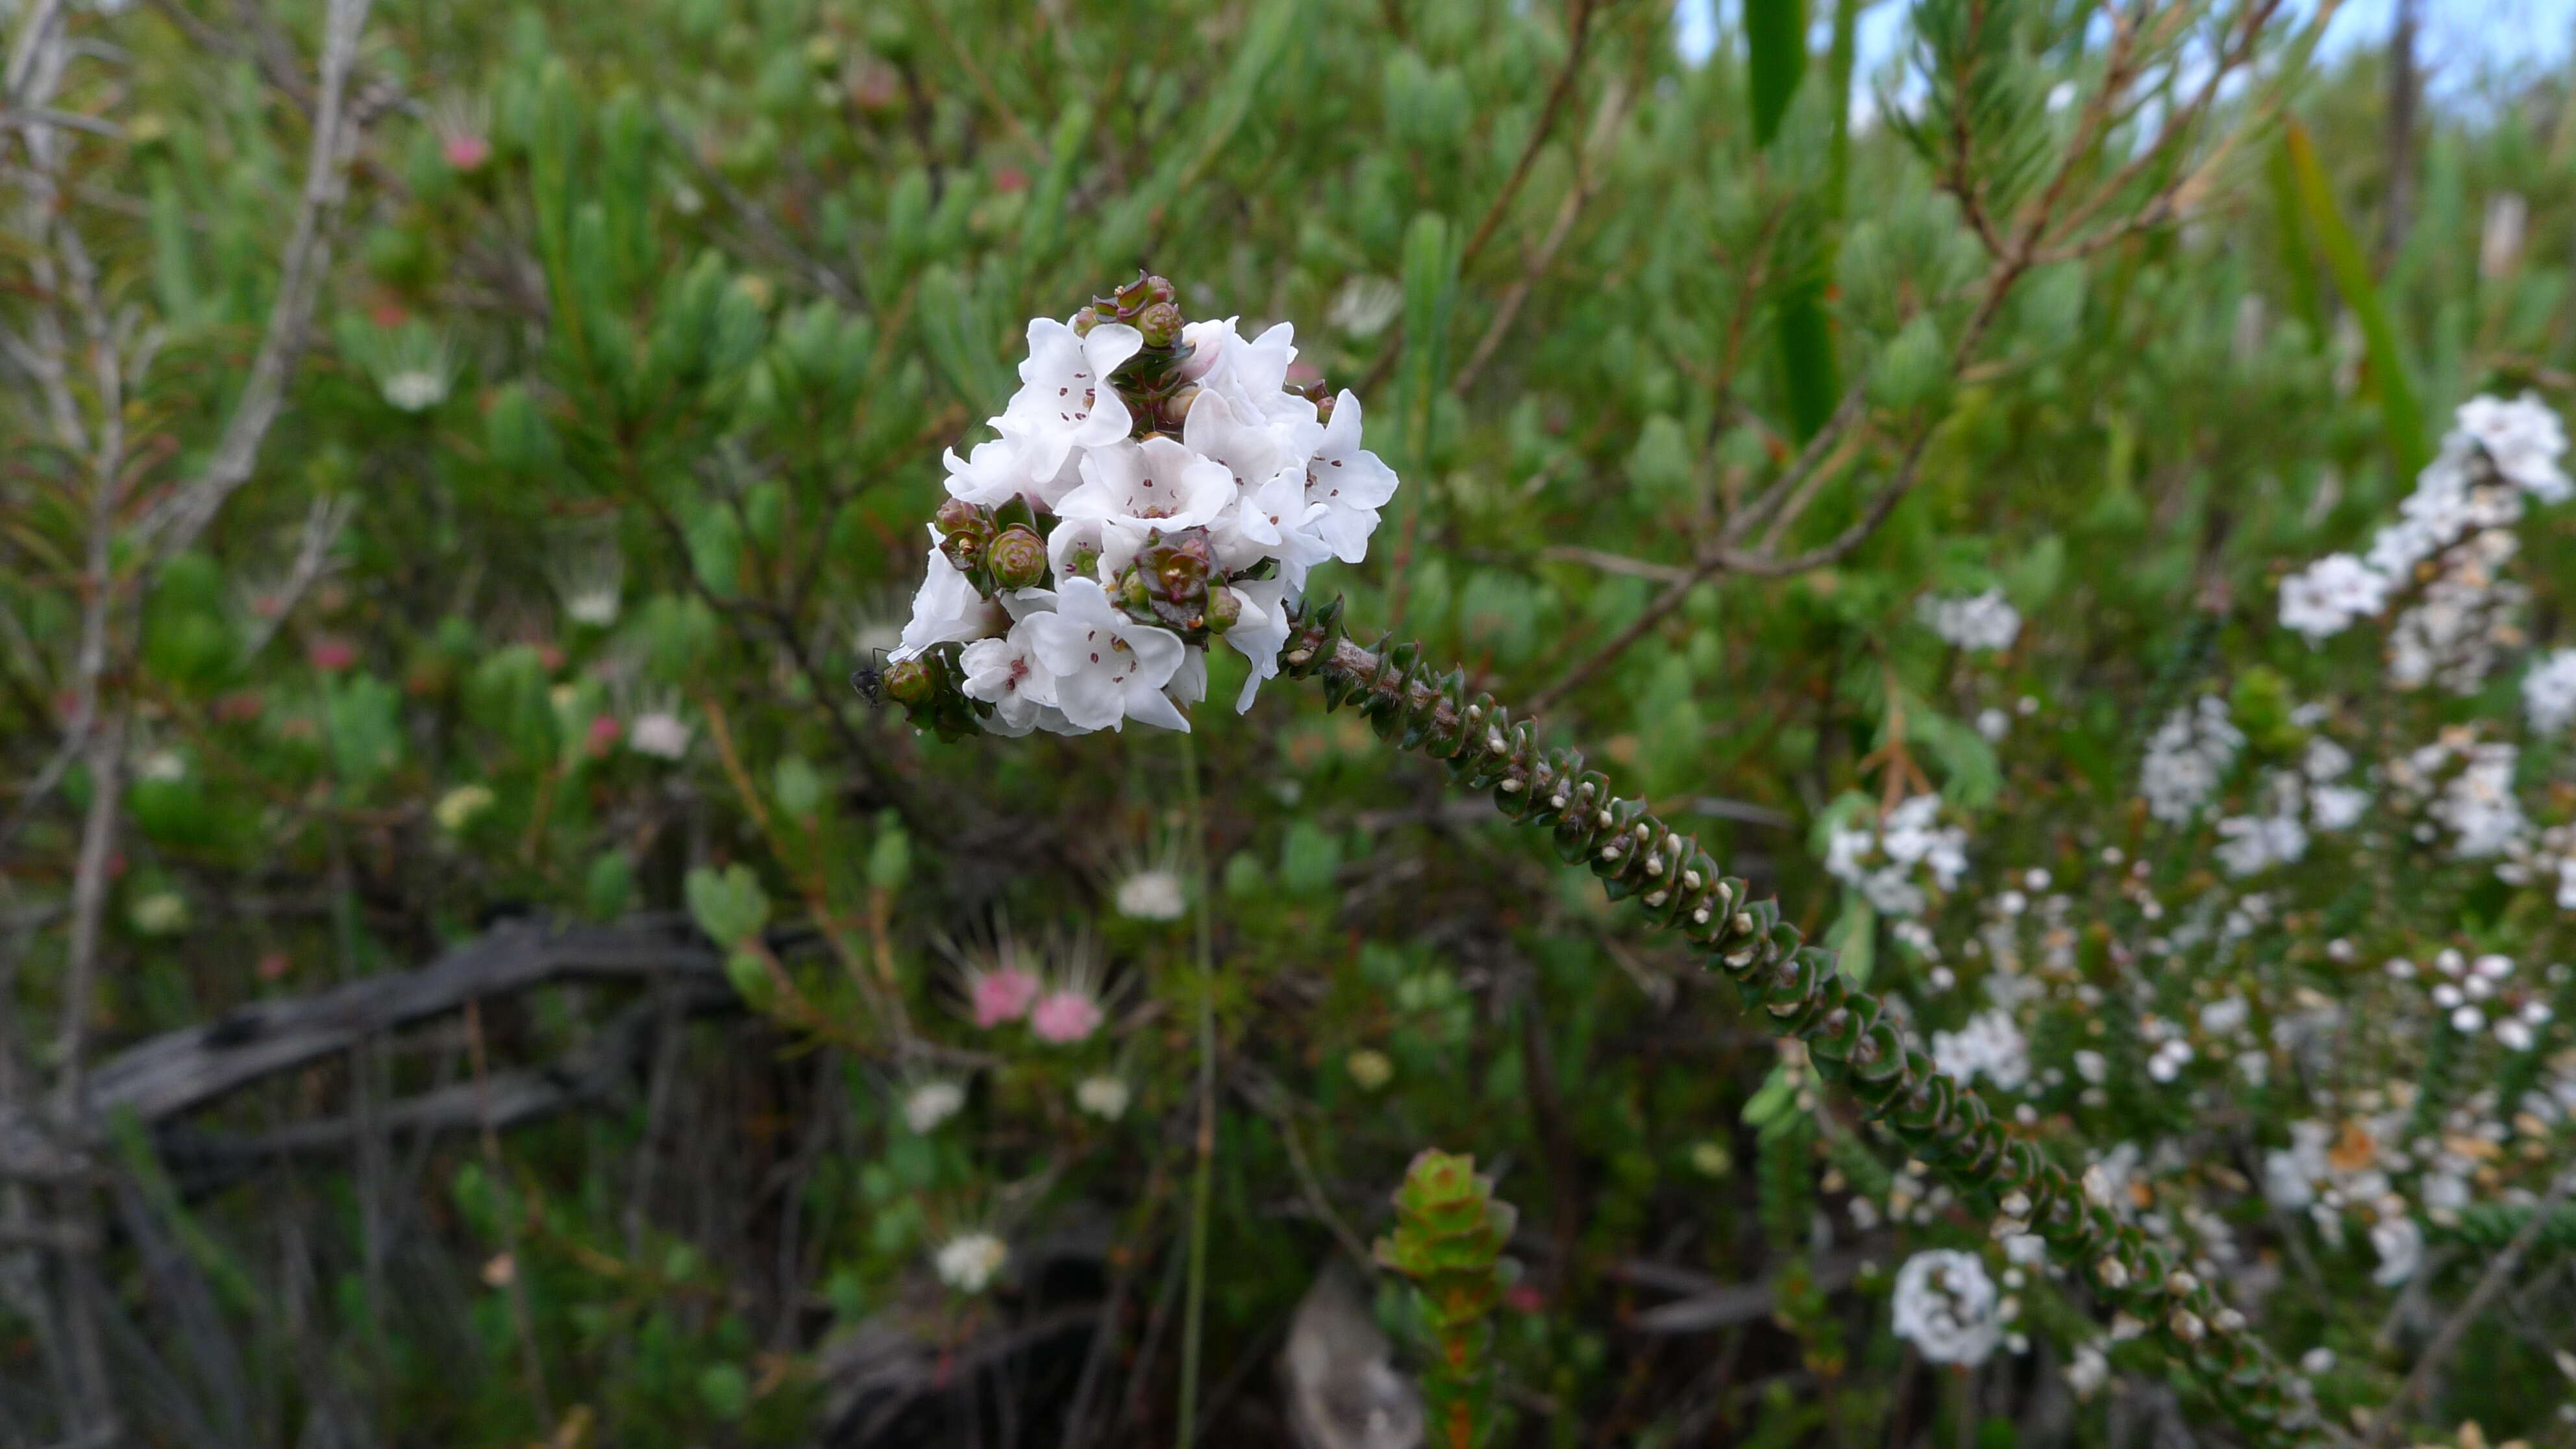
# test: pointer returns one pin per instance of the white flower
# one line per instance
(1252, 374)
(1065, 400)
(1365, 305)
(2251, 843)
(1103, 1096)
(1946, 1306)
(1108, 668)
(2090, 1370)
(1133, 489)
(1979, 621)
(1270, 517)
(2186, 758)
(2337, 807)
(969, 1261)
(1990, 1045)
(1350, 483)
(1005, 673)
(997, 471)
(2549, 692)
(931, 1103)
(1259, 633)
(588, 575)
(2400, 1245)
(946, 609)
(1152, 894)
(2478, 803)
(414, 390)
(660, 733)
(2326, 596)
(1993, 724)
(2524, 440)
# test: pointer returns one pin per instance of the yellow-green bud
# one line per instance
(1017, 557)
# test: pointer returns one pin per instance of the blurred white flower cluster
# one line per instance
(2187, 757)
(1088, 559)
(1892, 863)
(1948, 1308)
(2313, 796)
(1978, 621)
(2454, 533)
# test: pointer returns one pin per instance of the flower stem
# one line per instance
(1194, 1299)
(1797, 991)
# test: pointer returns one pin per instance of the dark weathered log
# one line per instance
(597, 1071)
(177, 1072)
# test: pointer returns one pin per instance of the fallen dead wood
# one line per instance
(164, 1077)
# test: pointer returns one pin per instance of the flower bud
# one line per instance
(911, 682)
(969, 529)
(1224, 606)
(1084, 321)
(1017, 557)
(1161, 324)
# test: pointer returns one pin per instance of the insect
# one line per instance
(870, 681)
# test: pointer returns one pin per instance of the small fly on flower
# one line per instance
(870, 681)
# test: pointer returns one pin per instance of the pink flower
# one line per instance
(465, 151)
(604, 732)
(331, 655)
(1000, 995)
(1065, 1015)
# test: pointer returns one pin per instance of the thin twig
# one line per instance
(505, 1197)
(175, 524)
(1267, 1099)
(2387, 1422)
(1581, 33)
(323, 523)
(1614, 109)
(1202, 1173)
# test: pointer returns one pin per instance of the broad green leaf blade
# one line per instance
(2399, 412)
(1775, 43)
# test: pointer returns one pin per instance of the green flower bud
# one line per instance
(969, 530)
(1224, 607)
(1161, 324)
(911, 682)
(1017, 558)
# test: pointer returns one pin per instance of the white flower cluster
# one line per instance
(931, 1103)
(2549, 855)
(1990, 1045)
(2549, 692)
(2328, 1170)
(1979, 621)
(2499, 454)
(2477, 805)
(2478, 993)
(1947, 1307)
(1277, 484)
(970, 1261)
(2313, 795)
(1890, 865)
(2187, 757)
